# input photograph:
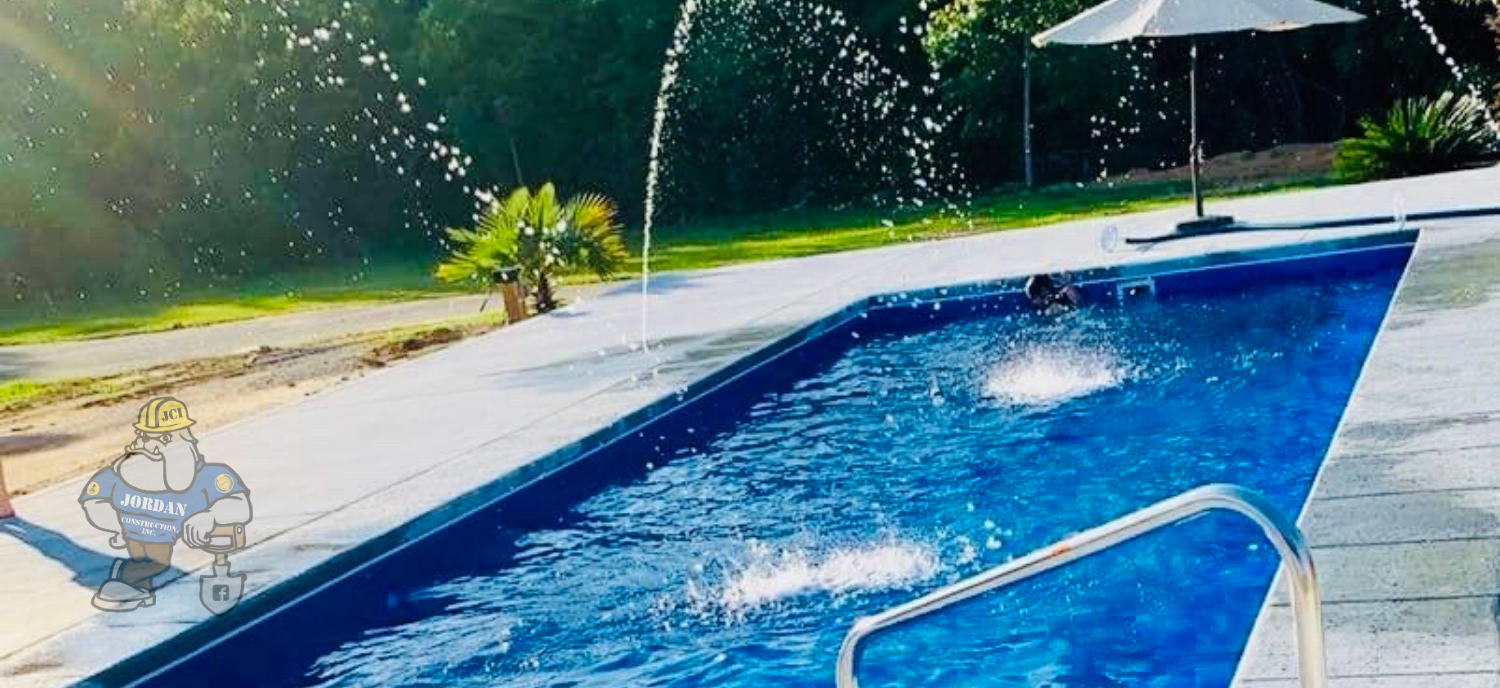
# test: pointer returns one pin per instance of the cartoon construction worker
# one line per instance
(158, 492)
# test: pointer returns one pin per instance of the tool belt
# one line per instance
(236, 535)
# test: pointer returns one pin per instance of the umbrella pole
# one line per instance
(1201, 224)
(1026, 110)
(1193, 149)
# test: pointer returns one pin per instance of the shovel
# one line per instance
(221, 591)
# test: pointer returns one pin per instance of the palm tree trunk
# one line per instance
(546, 301)
(6, 510)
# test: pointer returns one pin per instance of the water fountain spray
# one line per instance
(858, 71)
(669, 76)
(1414, 8)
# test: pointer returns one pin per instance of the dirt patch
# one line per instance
(36, 667)
(406, 347)
(1248, 168)
(83, 427)
(21, 444)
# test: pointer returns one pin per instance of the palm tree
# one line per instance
(6, 510)
(541, 237)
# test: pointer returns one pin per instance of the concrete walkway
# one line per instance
(363, 459)
(1405, 517)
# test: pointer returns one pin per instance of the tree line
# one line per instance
(154, 146)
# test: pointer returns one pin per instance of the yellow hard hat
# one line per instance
(163, 414)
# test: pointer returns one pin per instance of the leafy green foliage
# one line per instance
(154, 149)
(542, 237)
(981, 46)
(1418, 136)
(1124, 106)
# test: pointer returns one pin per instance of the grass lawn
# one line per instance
(22, 394)
(785, 236)
(704, 245)
(104, 316)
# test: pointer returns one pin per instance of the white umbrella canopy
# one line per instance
(1122, 20)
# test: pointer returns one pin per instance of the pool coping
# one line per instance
(1281, 578)
(139, 670)
(1416, 464)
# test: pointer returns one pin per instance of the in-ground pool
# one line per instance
(912, 442)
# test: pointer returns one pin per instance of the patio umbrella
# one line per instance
(1122, 20)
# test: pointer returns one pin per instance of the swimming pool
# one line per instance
(908, 444)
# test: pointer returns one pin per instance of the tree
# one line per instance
(983, 49)
(1493, 22)
(157, 147)
(1124, 106)
(541, 237)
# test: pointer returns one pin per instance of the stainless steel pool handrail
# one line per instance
(1307, 607)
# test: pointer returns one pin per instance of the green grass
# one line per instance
(22, 394)
(110, 316)
(705, 245)
(781, 236)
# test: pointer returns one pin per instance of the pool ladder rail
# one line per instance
(1283, 533)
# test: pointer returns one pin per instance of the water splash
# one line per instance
(1127, 117)
(1414, 8)
(670, 74)
(1046, 375)
(902, 158)
(771, 576)
(404, 138)
(324, 95)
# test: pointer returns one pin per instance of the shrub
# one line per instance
(1418, 136)
(543, 238)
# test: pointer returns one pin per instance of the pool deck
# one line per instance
(1406, 514)
(1404, 519)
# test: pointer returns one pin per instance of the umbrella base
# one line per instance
(1205, 225)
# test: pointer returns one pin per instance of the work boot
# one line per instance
(117, 596)
(116, 568)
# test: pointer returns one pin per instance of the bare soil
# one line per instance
(1248, 168)
(71, 435)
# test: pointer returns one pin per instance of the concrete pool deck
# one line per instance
(1404, 518)
(371, 458)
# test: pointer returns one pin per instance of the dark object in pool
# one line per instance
(1052, 296)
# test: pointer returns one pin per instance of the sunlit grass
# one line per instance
(129, 319)
(103, 316)
(25, 393)
(22, 394)
(706, 244)
(782, 236)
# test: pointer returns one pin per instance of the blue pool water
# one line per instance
(749, 535)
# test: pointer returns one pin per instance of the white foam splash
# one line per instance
(772, 577)
(1046, 375)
